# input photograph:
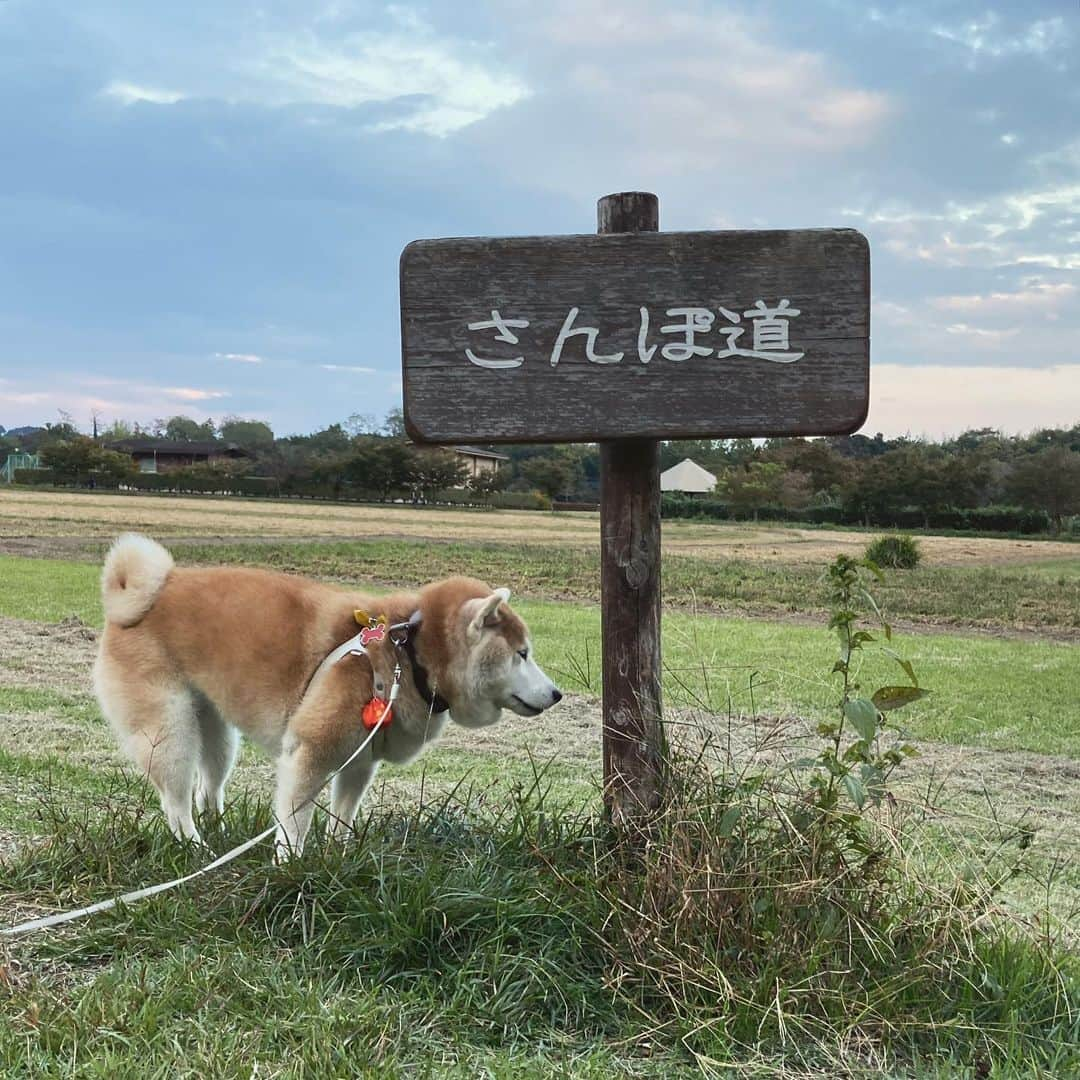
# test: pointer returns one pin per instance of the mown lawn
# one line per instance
(1005, 694)
(1005, 596)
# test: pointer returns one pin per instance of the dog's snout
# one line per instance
(556, 695)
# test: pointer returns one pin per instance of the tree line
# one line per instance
(979, 476)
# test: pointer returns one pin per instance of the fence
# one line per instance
(18, 461)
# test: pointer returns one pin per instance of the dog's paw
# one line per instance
(284, 849)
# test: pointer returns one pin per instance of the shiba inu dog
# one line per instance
(191, 658)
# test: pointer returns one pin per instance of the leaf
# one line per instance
(872, 602)
(854, 787)
(896, 697)
(873, 567)
(874, 780)
(863, 716)
(729, 820)
(905, 664)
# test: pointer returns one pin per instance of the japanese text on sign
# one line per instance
(770, 335)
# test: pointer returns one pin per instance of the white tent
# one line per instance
(687, 476)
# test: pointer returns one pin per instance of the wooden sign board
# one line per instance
(636, 335)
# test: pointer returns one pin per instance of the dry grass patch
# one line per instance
(88, 515)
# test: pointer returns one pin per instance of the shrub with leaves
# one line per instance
(895, 552)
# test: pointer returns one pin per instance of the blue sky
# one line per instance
(202, 205)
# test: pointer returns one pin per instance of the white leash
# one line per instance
(352, 647)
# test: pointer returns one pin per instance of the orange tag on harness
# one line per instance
(373, 714)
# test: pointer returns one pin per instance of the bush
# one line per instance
(896, 552)
(1011, 519)
(521, 500)
(35, 476)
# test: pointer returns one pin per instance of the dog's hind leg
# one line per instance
(154, 717)
(219, 743)
(165, 748)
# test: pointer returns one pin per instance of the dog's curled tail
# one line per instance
(135, 571)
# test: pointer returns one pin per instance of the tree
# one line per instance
(1050, 481)
(381, 466)
(69, 458)
(394, 425)
(115, 466)
(332, 438)
(553, 476)
(184, 429)
(117, 430)
(749, 489)
(65, 431)
(81, 458)
(359, 424)
(795, 490)
(488, 483)
(823, 466)
(250, 434)
(434, 471)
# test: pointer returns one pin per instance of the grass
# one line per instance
(514, 939)
(980, 596)
(1004, 694)
(494, 929)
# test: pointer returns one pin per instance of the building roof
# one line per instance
(688, 475)
(475, 451)
(178, 446)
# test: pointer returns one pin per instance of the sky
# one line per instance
(202, 205)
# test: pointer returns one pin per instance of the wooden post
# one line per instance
(634, 745)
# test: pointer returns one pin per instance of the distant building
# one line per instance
(161, 455)
(480, 462)
(688, 476)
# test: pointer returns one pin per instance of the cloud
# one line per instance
(937, 399)
(350, 368)
(37, 397)
(981, 335)
(129, 94)
(692, 85)
(83, 394)
(1010, 228)
(1037, 299)
(990, 36)
(188, 393)
(240, 358)
(449, 81)
(420, 81)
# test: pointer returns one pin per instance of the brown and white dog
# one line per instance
(190, 658)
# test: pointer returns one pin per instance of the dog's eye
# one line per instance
(523, 653)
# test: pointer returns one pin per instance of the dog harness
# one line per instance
(376, 712)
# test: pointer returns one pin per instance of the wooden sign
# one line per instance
(636, 335)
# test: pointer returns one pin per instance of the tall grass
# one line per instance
(742, 924)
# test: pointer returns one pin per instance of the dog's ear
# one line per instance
(486, 611)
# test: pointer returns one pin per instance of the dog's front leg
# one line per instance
(347, 790)
(300, 774)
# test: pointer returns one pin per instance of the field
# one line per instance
(992, 628)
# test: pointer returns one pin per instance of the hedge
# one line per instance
(1007, 519)
(1004, 519)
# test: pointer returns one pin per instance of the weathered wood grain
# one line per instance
(633, 736)
(634, 743)
(446, 284)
